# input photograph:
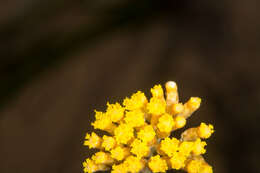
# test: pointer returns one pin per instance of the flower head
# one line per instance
(157, 91)
(146, 134)
(108, 142)
(139, 135)
(156, 106)
(90, 166)
(93, 140)
(139, 148)
(177, 160)
(119, 153)
(134, 164)
(205, 131)
(169, 146)
(115, 112)
(124, 133)
(137, 101)
(102, 158)
(157, 164)
(165, 123)
(198, 166)
(121, 168)
(135, 118)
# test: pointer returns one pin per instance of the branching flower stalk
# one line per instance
(139, 135)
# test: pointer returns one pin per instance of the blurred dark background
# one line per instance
(60, 60)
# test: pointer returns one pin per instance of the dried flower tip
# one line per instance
(172, 96)
(103, 122)
(135, 118)
(190, 106)
(170, 86)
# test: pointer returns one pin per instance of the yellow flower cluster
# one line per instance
(140, 135)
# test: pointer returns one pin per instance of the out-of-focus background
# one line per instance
(60, 60)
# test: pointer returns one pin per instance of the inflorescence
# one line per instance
(139, 135)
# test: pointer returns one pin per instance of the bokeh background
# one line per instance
(60, 60)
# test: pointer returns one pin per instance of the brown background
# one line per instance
(60, 60)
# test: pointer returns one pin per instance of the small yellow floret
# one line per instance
(121, 168)
(124, 133)
(157, 164)
(135, 118)
(146, 134)
(134, 164)
(90, 166)
(169, 146)
(205, 168)
(177, 108)
(185, 148)
(156, 106)
(119, 153)
(177, 161)
(205, 131)
(115, 112)
(93, 140)
(103, 122)
(165, 123)
(198, 166)
(102, 158)
(108, 142)
(180, 122)
(139, 148)
(157, 91)
(137, 101)
(198, 147)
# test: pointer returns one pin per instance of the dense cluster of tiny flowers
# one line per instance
(139, 135)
